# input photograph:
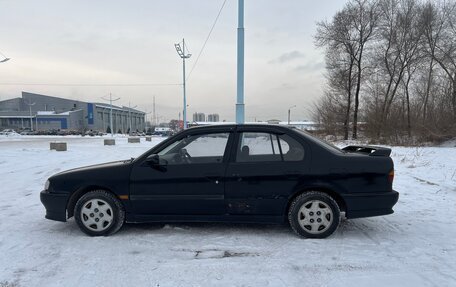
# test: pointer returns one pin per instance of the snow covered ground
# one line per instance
(416, 246)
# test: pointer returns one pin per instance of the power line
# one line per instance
(207, 39)
(86, 85)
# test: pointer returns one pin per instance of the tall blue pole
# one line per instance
(184, 113)
(240, 112)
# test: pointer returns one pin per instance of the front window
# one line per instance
(205, 148)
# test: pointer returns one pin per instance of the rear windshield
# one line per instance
(322, 142)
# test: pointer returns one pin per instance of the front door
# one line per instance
(188, 181)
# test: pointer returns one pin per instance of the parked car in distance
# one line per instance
(26, 132)
(8, 132)
(229, 173)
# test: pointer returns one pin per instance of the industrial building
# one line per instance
(213, 118)
(199, 117)
(41, 112)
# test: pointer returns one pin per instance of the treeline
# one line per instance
(391, 71)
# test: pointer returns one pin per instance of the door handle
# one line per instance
(215, 177)
(237, 176)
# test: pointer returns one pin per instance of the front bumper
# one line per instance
(370, 204)
(55, 204)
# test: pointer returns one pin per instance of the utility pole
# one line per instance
(181, 53)
(110, 114)
(289, 111)
(154, 122)
(145, 120)
(31, 120)
(240, 111)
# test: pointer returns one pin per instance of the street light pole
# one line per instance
(289, 111)
(240, 108)
(145, 127)
(30, 109)
(110, 114)
(5, 59)
(181, 53)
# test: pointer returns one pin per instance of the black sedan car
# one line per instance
(229, 173)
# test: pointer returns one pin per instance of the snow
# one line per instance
(51, 113)
(45, 113)
(415, 246)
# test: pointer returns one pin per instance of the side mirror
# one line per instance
(156, 162)
(153, 159)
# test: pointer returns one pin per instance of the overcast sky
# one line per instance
(132, 42)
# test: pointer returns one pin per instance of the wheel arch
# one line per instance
(328, 190)
(83, 190)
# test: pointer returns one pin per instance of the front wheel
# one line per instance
(99, 213)
(314, 215)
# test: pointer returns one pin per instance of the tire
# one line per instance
(314, 214)
(99, 213)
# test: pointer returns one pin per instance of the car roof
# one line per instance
(231, 126)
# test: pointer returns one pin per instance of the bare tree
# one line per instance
(348, 34)
(400, 38)
(433, 24)
(393, 63)
(445, 47)
(364, 16)
(409, 72)
(338, 39)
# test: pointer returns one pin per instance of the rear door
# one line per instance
(263, 171)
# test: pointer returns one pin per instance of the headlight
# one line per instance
(46, 185)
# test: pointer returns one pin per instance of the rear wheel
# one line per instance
(99, 213)
(314, 215)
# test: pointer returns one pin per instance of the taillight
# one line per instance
(391, 176)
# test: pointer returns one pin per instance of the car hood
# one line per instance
(93, 168)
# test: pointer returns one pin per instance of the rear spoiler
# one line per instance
(368, 150)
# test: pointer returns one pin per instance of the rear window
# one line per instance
(264, 147)
(321, 142)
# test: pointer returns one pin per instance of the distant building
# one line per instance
(199, 117)
(273, 122)
(213, 118)
(49, 112)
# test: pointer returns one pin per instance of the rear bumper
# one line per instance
(370, 204)
(55, 204)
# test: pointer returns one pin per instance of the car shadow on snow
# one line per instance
(370, 228)
(225, 229)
